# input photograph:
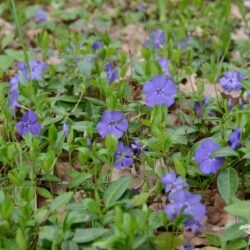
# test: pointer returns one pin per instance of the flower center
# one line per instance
(26, 124)
(159, 91)
(112, 122)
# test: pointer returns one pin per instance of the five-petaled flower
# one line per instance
(234, 138)
(28, 123)
(231, 81)
(203, 156)
(189, 204)
(112, 122)
(157, 39)
(159, 90)
(123, 156)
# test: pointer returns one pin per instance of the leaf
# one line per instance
(168, 241)
(60, 200)
(116, 189)
(140, 199)
(44, 192)
(240, 208)
(227, 183)
(5, 62)
(232, 233)
(82, 126)
(85, 67)
(227, 151)
(88, 234)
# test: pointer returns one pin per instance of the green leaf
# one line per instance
(224, 152)
(111, 142)
(140, 199)
(240, 208)
(232, 233)
(85, 67)
(236, 244)
(116, 189)
(227, 183)
(168, 241)
(60, 200)
(44, 192)
(88, 234)
(5, 62)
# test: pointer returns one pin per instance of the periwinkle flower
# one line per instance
(14, 94)
(189, 204)
(157, 39)
(28, 123)
(123, 156)
(96, 45)
(112, 122)
(229, 103)
(112, 74)
(241, 103)
(159, 90)
(136, 146)
(199, 105)
(231, 81)
(173, 183)
(203, 156)
(36, 69)
(234, 138)
(13, 100)
(164, 63)
(65, 129)
(40, 15)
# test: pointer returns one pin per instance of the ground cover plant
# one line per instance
(124, 125)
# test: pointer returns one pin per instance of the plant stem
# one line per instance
(19, 31)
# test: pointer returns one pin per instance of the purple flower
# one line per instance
(159, 90)
(164, 63)
(229, 103)
(112, 74)
(14, 94)
(65, 129)
(234, 138)
(40, 15)
(13, 100)
(96, 45)
(36, 70)
(136, 146)
(123, 156)
(232, 81)
(157, 39)
(241, 103)
(187, 203)
(28, 123)
(208, 164)
(199, 105)
(112, 122)
(173, 183)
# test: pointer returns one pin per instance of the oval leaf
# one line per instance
(227, 183)
(88, 234)
(116, 190)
